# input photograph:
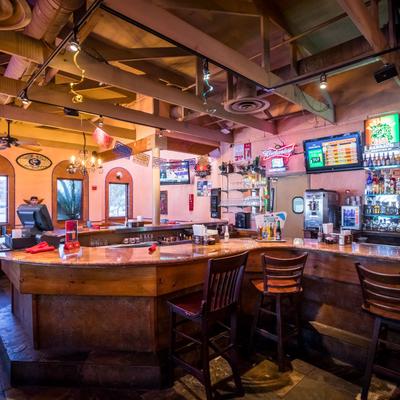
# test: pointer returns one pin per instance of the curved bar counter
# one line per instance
(101, 317)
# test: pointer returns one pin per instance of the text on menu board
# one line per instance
(333, 152)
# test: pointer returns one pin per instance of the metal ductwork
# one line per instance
(14, 15)
(48, 18)
(246, 100)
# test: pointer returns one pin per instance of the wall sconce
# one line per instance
(118, 175)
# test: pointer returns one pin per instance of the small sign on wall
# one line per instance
(242, 152)
(164, 202)
(191, 202)
(204, 188)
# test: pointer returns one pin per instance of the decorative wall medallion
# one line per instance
(34, 161)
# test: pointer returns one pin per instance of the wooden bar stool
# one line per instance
(381, 296)
(217, 303)
(280, 294)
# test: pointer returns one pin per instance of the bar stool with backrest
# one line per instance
(214, 305)
(280, 294)
(381, 299)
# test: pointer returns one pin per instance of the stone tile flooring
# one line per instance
(262, 381)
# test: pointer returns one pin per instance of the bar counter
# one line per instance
(107, 307)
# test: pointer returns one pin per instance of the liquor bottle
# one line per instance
(375, 184)
(387, 158)
(379, 160)
(365, 160)
(278, 235)
(368, 184)
(392, 160)
(398, 185)
(226, 234)
(320, 237)
(381, 184)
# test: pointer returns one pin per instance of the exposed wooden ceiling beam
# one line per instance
(182, 33)
(111, 75)
(99, 48)
(61, 122)
(47, 95)
(137, 54)
(368, 26)
(222, 6)
(51, 137)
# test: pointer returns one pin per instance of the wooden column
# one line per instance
(156, 187)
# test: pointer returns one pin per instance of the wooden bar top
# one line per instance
(101, 257)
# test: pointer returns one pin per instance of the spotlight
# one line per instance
(161, 133)
(225, 131)
(73, 45)
(24, 99)
(323, 82)
(100, 124)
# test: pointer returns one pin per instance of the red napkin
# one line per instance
(152, 248)
(40, 248)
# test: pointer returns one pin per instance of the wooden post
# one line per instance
(156, 187)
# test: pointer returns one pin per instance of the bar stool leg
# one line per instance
(172, 339)
(234, 359)
(297, 300)
(279, 333)
(206, 363)
(370, 360)
(255, 322)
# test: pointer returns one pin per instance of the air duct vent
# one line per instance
(247, 105)
(246, 100)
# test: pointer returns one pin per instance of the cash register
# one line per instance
(35, 220)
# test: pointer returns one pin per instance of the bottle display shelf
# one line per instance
(381, 194)
(378, 167)
(382, 215)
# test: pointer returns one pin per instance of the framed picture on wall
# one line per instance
(164, 202)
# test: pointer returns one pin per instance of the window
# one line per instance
(7, 193)
(3, 199)
(118, 200)
(69, 195)
(69, 199)
(118, 194)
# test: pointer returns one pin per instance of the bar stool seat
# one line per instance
(377, 311)
(381, 299)
(188, 306)
(278, 286)
(216, 306)
(279, 296)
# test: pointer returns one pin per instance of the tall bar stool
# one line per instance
(280, 295)
(217, 303)
(381, 296)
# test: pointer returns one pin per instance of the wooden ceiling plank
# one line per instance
(13, 87)
(222, 6)
(139, 54)
(364, 21)
(61, 122)
(188, 36)
(113, 76)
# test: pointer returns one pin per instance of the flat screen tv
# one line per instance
(174, 173)
(333, 153)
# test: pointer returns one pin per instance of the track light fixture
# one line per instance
(323, 82)
(73, 45)
(24, 98)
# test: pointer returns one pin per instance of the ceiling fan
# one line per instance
(7, 141)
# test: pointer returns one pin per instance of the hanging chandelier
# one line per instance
(85, 162)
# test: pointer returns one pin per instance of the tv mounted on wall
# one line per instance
(333, 153)
(174, 173)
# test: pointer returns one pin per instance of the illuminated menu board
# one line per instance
(382, 131)
(338, 152)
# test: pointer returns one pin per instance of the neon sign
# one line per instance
(285, 151)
